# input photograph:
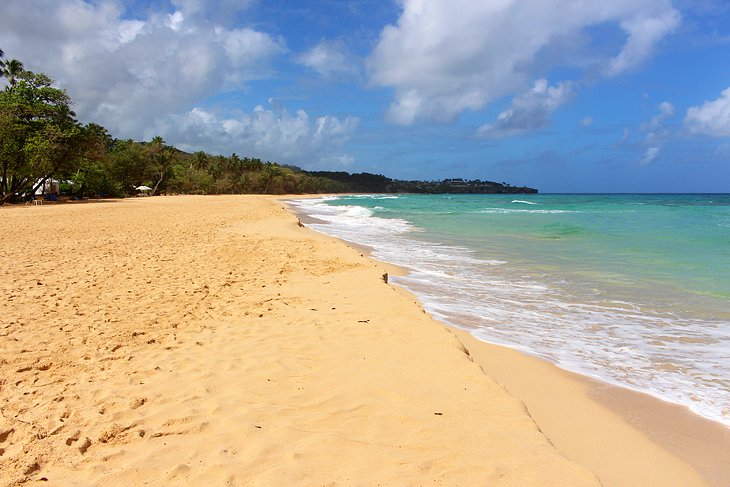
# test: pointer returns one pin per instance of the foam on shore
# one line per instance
(621, 341)
(586, 419)
(211, 340)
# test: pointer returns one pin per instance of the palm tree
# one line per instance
(11, 69)
(160, 159)
(271, 171)
(201, 161)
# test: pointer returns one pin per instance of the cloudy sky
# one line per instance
(562, 95)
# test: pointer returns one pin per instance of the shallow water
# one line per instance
(633, 290)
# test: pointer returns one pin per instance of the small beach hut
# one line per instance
(49, 186)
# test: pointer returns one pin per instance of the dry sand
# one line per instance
(625, 437)
(212, 341)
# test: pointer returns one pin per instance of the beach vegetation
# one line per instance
(41, 141)
(39, 136)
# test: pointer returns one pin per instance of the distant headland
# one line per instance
(48, 154)
(374, 183)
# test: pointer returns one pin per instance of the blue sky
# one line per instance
(562, 95)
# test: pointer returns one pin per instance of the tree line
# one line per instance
(41, 140)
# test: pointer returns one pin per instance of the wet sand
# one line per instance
(212, 340)
(625, 437)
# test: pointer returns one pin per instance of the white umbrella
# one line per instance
(143, 188)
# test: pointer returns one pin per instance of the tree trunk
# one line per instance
(4, 182)
(157, 184)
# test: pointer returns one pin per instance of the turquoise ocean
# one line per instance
(632, 290)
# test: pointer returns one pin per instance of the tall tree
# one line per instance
(128, 164)
(201, 160)
(11, 69)
(39, 137)
(94, 175)
(160, 159)
(270, 173)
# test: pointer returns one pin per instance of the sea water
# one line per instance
(633, 290)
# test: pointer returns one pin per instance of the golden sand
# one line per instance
(213, 341)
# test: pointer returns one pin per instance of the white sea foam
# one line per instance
(357, 212)
(507, 211)
(685, 361)
(524, 202)
(374, 196)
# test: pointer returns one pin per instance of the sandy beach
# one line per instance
(213, 341)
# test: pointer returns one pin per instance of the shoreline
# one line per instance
(622, 435)
(210, 340)
(198, 340)
(659, 433)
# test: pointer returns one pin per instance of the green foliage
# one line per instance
(127, 164)
(40, 139)
(160, 160)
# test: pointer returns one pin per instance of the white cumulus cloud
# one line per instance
(650, 154)
(444, 58)
(330, 59)
(125, 73)
(655, 129)
(223, 12)
(644, 31)
(712, 118)
(666, 111)
(656, 132)
(271, 133)
(528, 111)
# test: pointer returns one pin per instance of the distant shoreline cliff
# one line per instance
(376, 183)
